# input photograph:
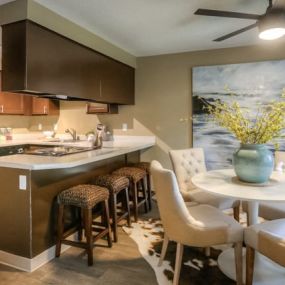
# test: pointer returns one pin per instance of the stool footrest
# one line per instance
(74, 243)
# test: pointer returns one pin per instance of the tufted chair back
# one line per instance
(186, 163)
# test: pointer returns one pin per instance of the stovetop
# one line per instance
(52, 150)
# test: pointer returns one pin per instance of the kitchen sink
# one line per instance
(51, 150)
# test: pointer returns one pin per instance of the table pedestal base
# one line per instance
(265, 271)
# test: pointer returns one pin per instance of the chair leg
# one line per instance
(88, 234)
(127, 200)
(236, 212)
(178, 261)
(144, 196)
(113, 208)
(238, 262)
(207, 251)
(163, 250)
(108, 226)
(250, 253)
(148, 184)
(60, 226)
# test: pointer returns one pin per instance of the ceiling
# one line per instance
(152, 27)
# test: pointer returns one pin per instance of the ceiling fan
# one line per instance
(271, 24)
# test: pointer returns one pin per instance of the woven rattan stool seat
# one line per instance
(84, 196)
(133, 173)
(143, 165)
(115, 183)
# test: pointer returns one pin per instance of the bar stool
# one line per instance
(146, 167)
(85, 197)
(136, 177)
(115, 185)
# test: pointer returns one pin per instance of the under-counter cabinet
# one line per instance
(99, 108)
(43, 106)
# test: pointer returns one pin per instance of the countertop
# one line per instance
(121, 145)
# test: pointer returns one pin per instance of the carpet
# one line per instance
(197, 269)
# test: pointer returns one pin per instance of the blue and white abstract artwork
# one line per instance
(254, 84)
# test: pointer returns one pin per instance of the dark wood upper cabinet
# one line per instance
(37, 60)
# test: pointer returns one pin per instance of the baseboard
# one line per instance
(30, 265)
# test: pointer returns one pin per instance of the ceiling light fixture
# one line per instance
(272, 25)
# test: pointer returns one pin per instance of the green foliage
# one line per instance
(267, 124)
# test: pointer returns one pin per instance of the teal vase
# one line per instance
(253, 163)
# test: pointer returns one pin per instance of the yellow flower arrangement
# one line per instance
(267, 124)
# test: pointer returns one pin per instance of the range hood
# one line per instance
(40, 62)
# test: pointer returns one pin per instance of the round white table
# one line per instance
(223, 183)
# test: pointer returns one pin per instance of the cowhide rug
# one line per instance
(197, 269)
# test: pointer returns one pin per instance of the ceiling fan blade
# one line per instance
(236, 33)
(227, 14)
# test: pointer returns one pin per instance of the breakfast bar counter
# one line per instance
(29, 187)
(110, 149)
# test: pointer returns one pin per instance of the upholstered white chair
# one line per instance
(199, 226)
(188, 162)
(272, 210)
(269, 239)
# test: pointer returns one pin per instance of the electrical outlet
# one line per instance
(22, 182)
(124, 127)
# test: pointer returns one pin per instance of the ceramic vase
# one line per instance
(253, 163)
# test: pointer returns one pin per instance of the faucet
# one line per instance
(72, 132)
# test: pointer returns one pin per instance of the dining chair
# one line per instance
(268, 238)
(271, 210)
(197, 226)
(188, 162)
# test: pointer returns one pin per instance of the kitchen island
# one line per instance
(29, 186)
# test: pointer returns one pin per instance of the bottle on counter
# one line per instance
(8, 134)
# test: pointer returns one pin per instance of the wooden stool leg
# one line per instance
(149, 190)
(127, 206)
(144, 196)
(89, 236)
(107, 221)
(81, 226)
(250, 253)
(134, 190)
(60, 226)
(113, 206)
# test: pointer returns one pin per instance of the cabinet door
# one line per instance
(116, 82)
(39, 106)
(99, 108)
(43, 106)
(12, 103)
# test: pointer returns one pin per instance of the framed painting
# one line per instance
(252, 85)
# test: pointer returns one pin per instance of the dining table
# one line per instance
(224, 182)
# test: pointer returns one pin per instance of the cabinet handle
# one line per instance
(2, 109)
(45, 109)
(100, 89)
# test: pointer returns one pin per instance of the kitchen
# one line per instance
(162, 88)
